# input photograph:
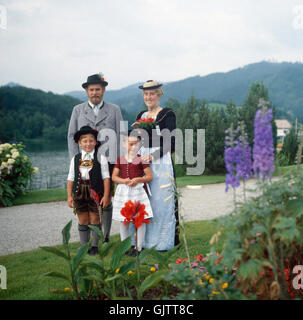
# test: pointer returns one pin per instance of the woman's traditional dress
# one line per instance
(162, 231)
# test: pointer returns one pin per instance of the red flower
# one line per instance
(147, 120)
(94, 195)
(179, 260)
(218, 260)
(134, 212)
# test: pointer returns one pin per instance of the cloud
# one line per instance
(55, 45)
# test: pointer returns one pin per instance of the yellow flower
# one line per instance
(168, 265)
(129, 272)
(224, 285)
(66, 289)
(215, 292)
(201, 282)
(117, 270)
(152, 269)
(211, 280)
(197, 273)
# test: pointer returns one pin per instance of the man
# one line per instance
(97, 114)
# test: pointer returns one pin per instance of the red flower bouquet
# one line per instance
(134, 212)
(148, 123)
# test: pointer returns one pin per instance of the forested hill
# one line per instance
(27, 113)
(31, 113)
(284, 82)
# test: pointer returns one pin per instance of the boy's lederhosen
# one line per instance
(83, 189)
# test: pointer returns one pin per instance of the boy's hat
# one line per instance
(85, 130)
(95, 79)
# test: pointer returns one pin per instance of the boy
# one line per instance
(88, 182)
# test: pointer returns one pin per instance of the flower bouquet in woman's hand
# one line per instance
(148, 123)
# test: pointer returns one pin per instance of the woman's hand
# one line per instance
(105, 201)
(70, 202)
(147, 158)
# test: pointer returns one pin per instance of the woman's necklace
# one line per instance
(154, 112)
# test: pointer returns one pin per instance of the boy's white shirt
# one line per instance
(84, 171)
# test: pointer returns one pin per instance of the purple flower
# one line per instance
(244, 166)
(263, 150)
(237, 157)
(231, 158)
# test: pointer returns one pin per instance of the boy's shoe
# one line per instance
(93, 251)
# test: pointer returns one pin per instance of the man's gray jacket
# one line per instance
(109, 117)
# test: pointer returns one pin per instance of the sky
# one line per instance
(55, 45)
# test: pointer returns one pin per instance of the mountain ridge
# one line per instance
(284, 81)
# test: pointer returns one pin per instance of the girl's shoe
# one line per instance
(130, 250)
(93, 251)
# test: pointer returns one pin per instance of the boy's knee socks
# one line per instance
(106, 218)
(84, 233)
(95, 236)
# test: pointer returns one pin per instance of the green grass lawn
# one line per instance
(24, 270)
(39, 196)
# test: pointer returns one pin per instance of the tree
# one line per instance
(289, 149)
(250, 106)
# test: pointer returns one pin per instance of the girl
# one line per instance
(131, 173)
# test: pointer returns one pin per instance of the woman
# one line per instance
(162, 231)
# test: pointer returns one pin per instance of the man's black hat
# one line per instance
(95, 79)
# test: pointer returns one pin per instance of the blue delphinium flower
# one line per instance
(263, 149)
(231, 158)
(244, 167)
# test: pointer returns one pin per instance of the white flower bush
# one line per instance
(16, 171)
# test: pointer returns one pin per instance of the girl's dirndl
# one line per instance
(125, 193)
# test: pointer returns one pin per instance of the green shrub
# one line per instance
(16, 171)
(265, 238)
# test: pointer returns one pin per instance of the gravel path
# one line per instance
(27, 227)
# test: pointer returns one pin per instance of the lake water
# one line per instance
(53, 164)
